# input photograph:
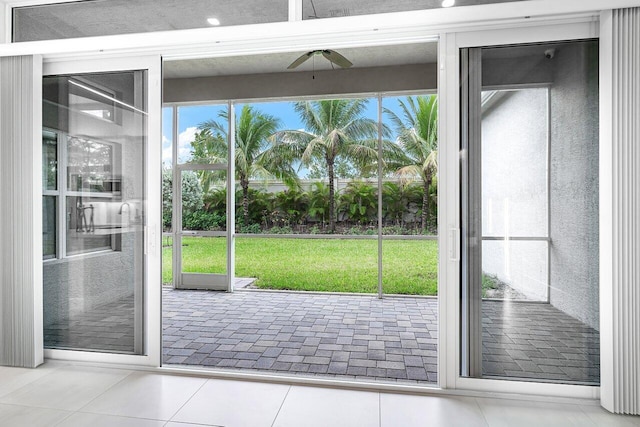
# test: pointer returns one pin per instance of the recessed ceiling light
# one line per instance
(213, 21)
(448, 3)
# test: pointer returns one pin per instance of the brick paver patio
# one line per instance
(344, 336)
(363, 337)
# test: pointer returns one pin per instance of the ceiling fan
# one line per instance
(333, 57)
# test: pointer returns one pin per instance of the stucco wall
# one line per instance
(574, 183)
(514, 196)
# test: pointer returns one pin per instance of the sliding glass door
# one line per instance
(530, 212)
(99, 223)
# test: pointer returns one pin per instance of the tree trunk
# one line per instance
(245, 200)
(332, 208)
(425, 203)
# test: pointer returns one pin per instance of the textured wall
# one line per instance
(514, 196)
(574, 183)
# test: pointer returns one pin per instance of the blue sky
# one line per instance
(190, 117)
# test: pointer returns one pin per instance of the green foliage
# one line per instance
(257, 153)
(261, 204)
(417, 129)
(358, 202)
(291, 205)
(489, 282)
(319, 201)
(201, 220)
(192, 197)
(335, 131)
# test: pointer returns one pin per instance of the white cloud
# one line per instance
(185, 139)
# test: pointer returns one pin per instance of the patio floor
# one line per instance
(363, 337)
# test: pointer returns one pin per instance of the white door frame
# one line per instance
(153, 261)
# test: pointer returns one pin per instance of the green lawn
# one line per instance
(334, 265)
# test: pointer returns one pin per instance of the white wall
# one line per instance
(514, 193)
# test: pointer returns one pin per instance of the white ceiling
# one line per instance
(106, 17)
(362, 57)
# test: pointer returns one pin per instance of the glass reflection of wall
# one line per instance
(93, 211)
(539, 212)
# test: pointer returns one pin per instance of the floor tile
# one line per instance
(310, 407)
(433, 411)
(604, 418)
(15, 378)
(234, 403)
(97, 420)
(22, 416)
(145, 395)
(508, 413)
(175, 424)
(67, 388)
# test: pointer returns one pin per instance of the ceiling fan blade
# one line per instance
(300, 60)
(336, 58)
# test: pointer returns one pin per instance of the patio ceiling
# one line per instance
(362, 57)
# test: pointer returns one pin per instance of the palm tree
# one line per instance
(256, 155)
(334, 130)
(417, 130)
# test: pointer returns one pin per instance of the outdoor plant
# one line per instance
(319, 202)
(257, 155)
(417, 129)
(192, 196)
(334, 129)
(358, 202)
(293, 204)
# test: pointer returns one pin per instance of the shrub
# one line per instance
(358, 202)
(202, 220)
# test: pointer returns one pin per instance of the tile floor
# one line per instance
(64, 395)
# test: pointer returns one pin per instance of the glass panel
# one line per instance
(102, 18)
(93, 296)
(315, 9)
(49, 161)
(538, 166)
(202, 134)
(49, 227)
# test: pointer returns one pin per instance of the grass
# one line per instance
(333, 265)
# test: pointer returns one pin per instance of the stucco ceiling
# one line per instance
(378, 56)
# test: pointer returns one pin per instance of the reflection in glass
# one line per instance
(103, 18)
(49, 161)
(94, 219)
(532, 281)
(49, 228)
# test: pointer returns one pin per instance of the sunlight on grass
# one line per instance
(332, 265)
